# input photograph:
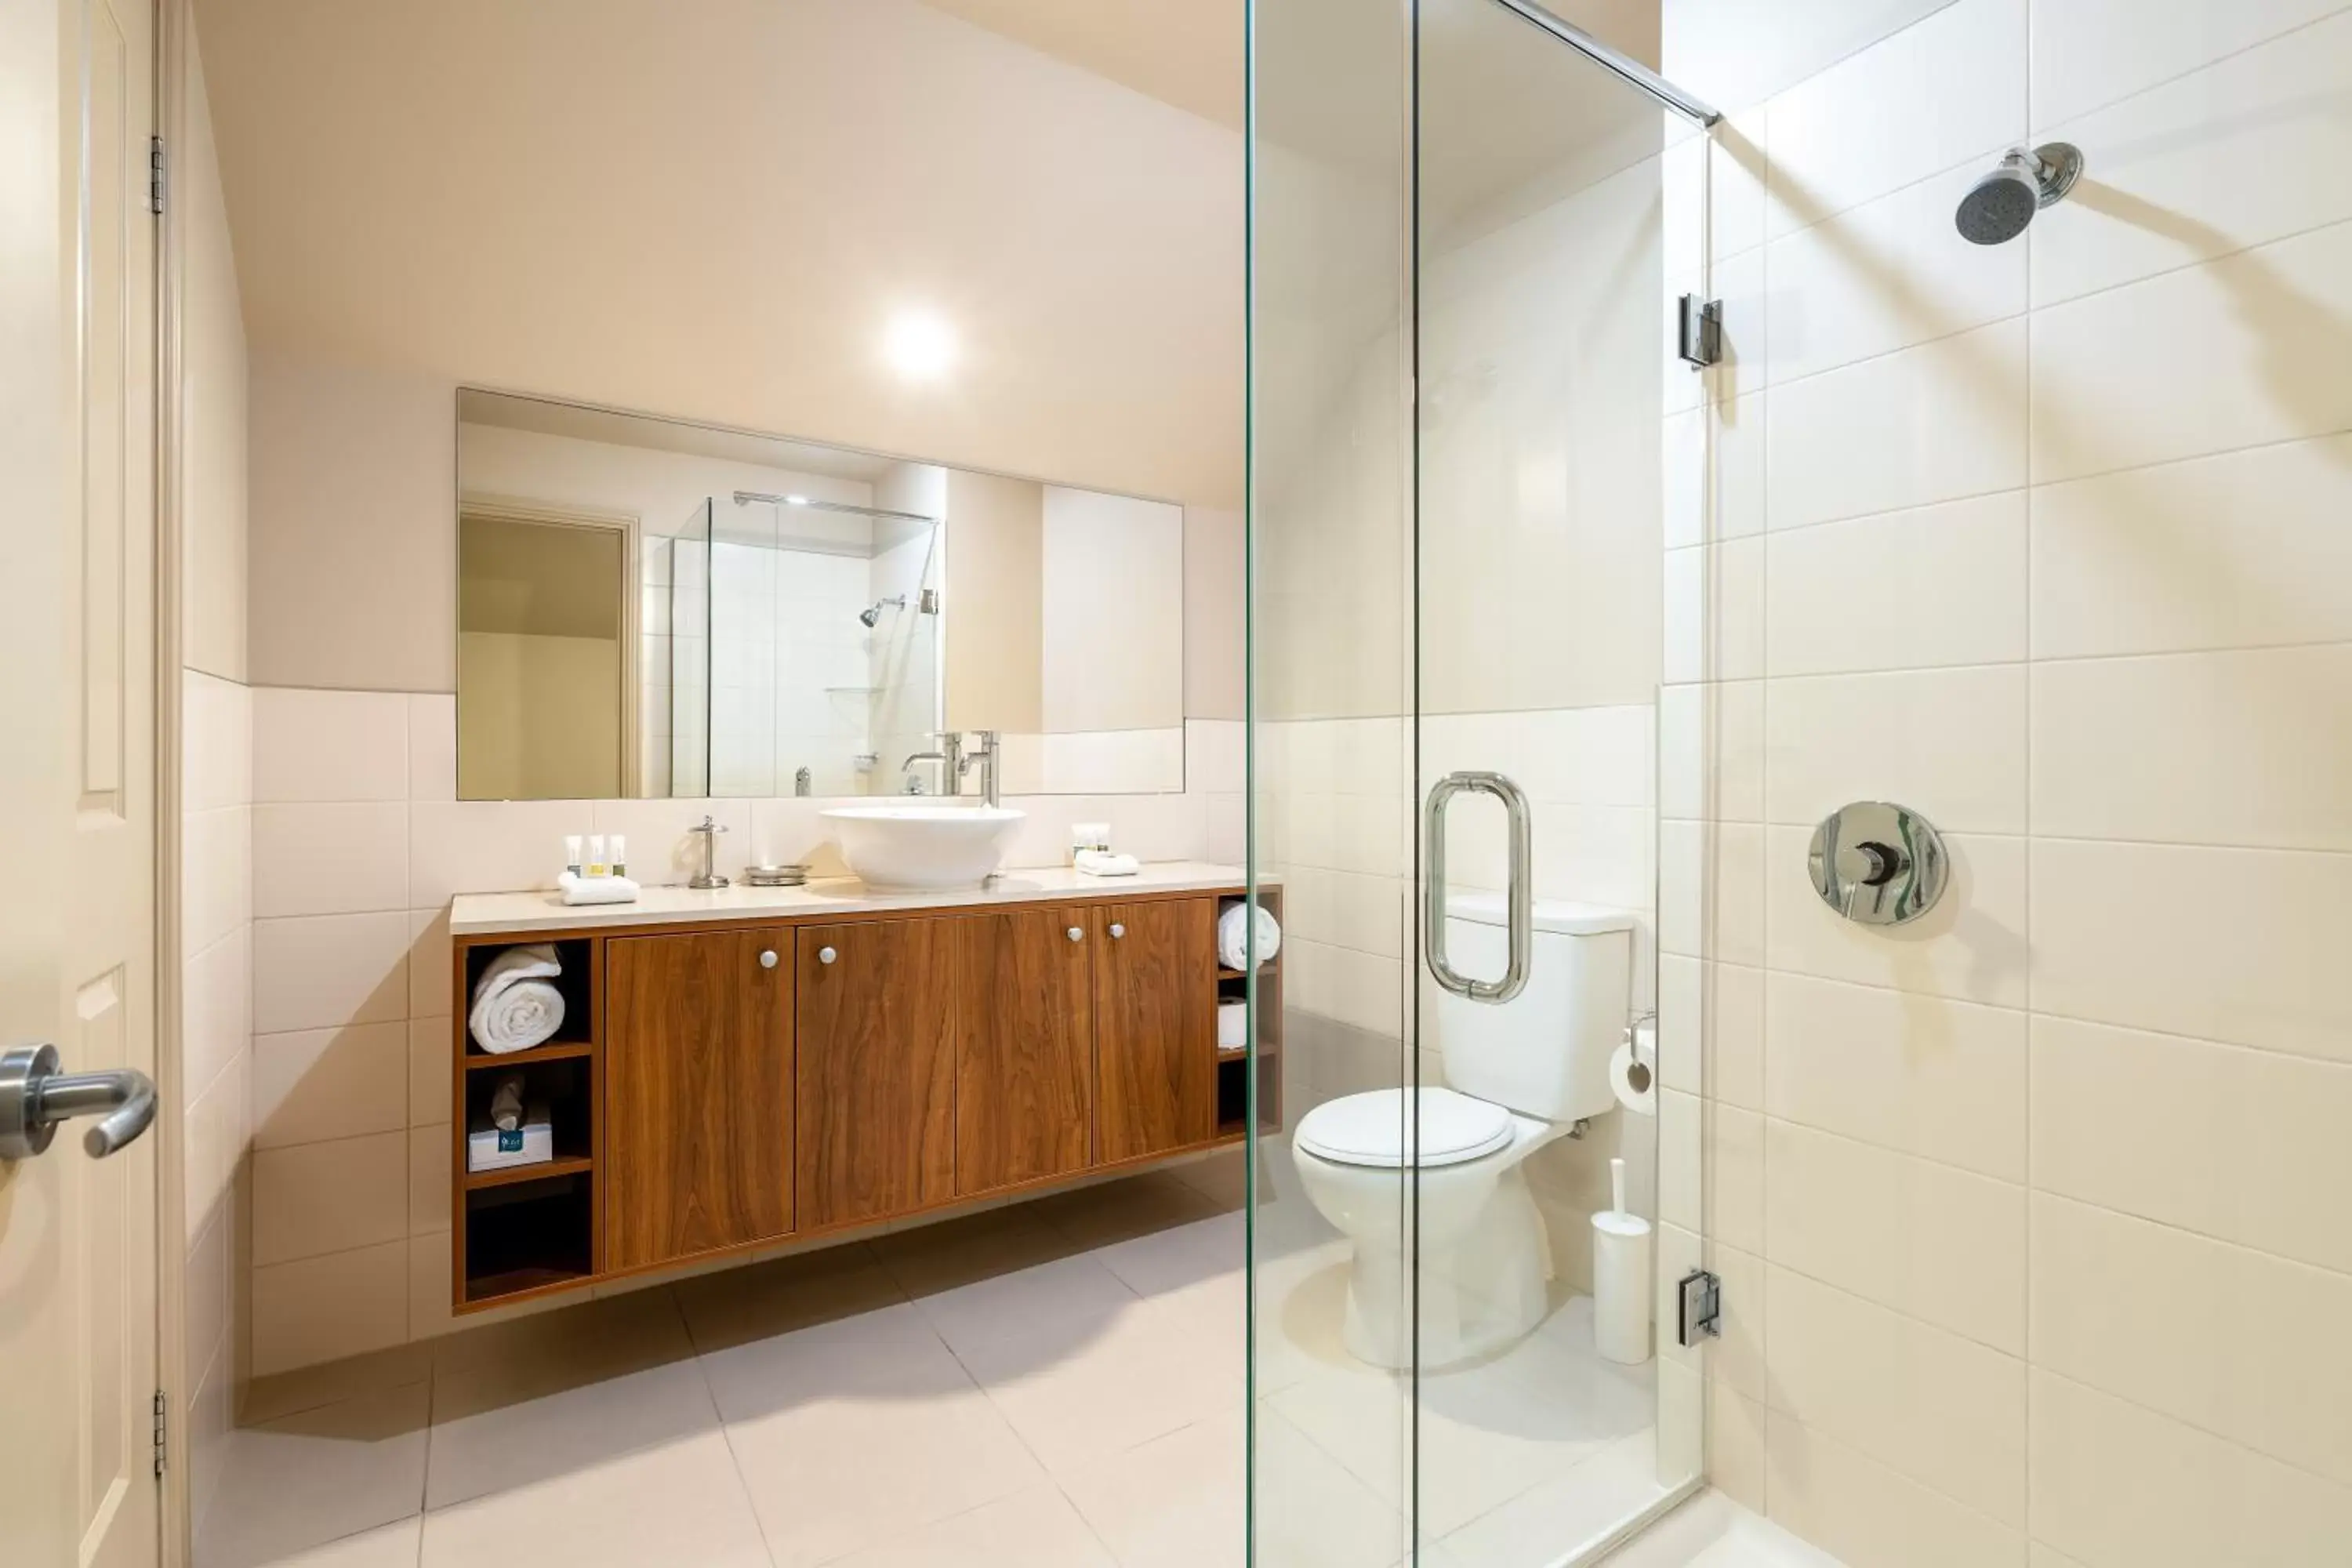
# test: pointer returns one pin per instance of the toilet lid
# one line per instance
(1374, 1128)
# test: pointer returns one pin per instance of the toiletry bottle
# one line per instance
(620, 853)
(572, 853)
(596, 867)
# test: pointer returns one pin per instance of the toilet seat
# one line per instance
(1374, 1130)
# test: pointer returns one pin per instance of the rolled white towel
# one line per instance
(596, 889)
(1233, 942)
(514, 1008)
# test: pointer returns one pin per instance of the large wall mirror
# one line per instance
(648, 607)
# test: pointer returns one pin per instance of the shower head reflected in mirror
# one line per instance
(874, 613)
(1999, 206)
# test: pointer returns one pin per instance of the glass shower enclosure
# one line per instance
(1473, 1205)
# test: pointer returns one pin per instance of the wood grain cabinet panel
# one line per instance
(697, 1095)
(1024, 1046)
(875, 1069)
(1155, 1028)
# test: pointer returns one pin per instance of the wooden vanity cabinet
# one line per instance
(1155, 1028)
(1025, 1045)
(699, 1093)
(876, 1026)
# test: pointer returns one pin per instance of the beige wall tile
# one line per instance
(2113, 1483)
(1939, 586)
(2240, 945)
(2235, 1144)
(661, 852)
(2210, 359)
(1888, 275)
(1711, 890)
(1682, 1167)
(431, 963)
(314, 746)
(488, 846)
(1711, 762)
(216, 741)
(1945, 1411)
(1712, 47)
(317, 1198)
(2091, 52)
(1940, 1244)
(1715, 612)
(216, 1008)
(2244, 550)
(1736, 1176)
(1970, 946)
(216, 876)
(330, 859)
(318, 1084)
(1735, 1445)
(322, 1309)
(2213, 1338)
(2217, 747)
(217, 1135)
(431, 1091)
(321, 972)
(1925, 98)
(1737, 1358)
(433, 745)
(430, 1175)
(2243, 153)
(1948, 743)
(1715, 473)
(1711, 1029)
(1916, 1074)
(1939, 422)
(1869, 1516)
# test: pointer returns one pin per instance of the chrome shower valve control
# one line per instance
(1877, 863)
(35, 1097)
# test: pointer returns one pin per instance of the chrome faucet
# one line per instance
(987, 758)
(708, 876)
(949, 756)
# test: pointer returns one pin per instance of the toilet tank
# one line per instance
(1545, 1053)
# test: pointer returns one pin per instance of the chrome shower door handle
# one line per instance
(35, 1097)
(1518, 900)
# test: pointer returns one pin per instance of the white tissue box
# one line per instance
(532, 1143)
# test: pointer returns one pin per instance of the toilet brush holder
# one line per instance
(1620, 1278)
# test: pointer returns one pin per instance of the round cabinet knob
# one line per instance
(1117, 930)
(768, 959)
(827, 955)
(1077, 933)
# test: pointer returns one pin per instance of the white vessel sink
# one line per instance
(922, 849)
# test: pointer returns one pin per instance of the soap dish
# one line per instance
(775, 876)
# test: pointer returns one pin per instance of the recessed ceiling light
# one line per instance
(920, 345)
(796, 500)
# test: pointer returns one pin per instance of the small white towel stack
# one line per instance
(1235, 938)
(516, 1006)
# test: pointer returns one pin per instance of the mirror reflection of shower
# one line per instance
(796, 686)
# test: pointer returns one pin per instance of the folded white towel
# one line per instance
(1233, 942)
(596, 889)
(1104, 863)
(514, 1008)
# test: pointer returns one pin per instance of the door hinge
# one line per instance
(1700, 334)
(1702, 1307)
(155, 174)
(161, 1425)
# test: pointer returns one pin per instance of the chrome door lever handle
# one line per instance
(35, 1097)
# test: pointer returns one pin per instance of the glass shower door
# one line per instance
(1461, 228)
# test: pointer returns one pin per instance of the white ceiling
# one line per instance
(1184, 52)
(615, 429)
(712, 210)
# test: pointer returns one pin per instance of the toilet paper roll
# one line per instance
(1633, 1072)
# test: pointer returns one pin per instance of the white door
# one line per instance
(78, 786)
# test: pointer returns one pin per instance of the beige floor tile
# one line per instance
(317, 1477)
(1550, 1521)
(1036, 1528)
(505, 1445)
(1120, 1211)
(936, 1257)
(1713, 1531)
(681, 1503)
(1079, 1364)
(1179, 1258)
(853, 1431)
(783, 1296)
(332, 1382)
(393, 1546)
(576, 1347)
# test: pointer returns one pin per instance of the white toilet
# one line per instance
(1521, 1073)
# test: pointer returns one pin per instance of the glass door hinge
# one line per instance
(1702, 1307)
(1700, 335)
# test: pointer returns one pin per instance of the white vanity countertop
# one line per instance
(489, 914)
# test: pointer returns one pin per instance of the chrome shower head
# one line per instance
(874, 613)
(1999, 206)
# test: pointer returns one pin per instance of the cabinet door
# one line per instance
(699, 1094)
(875, 1069)
(1025, 1045)
(1155, 1028)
